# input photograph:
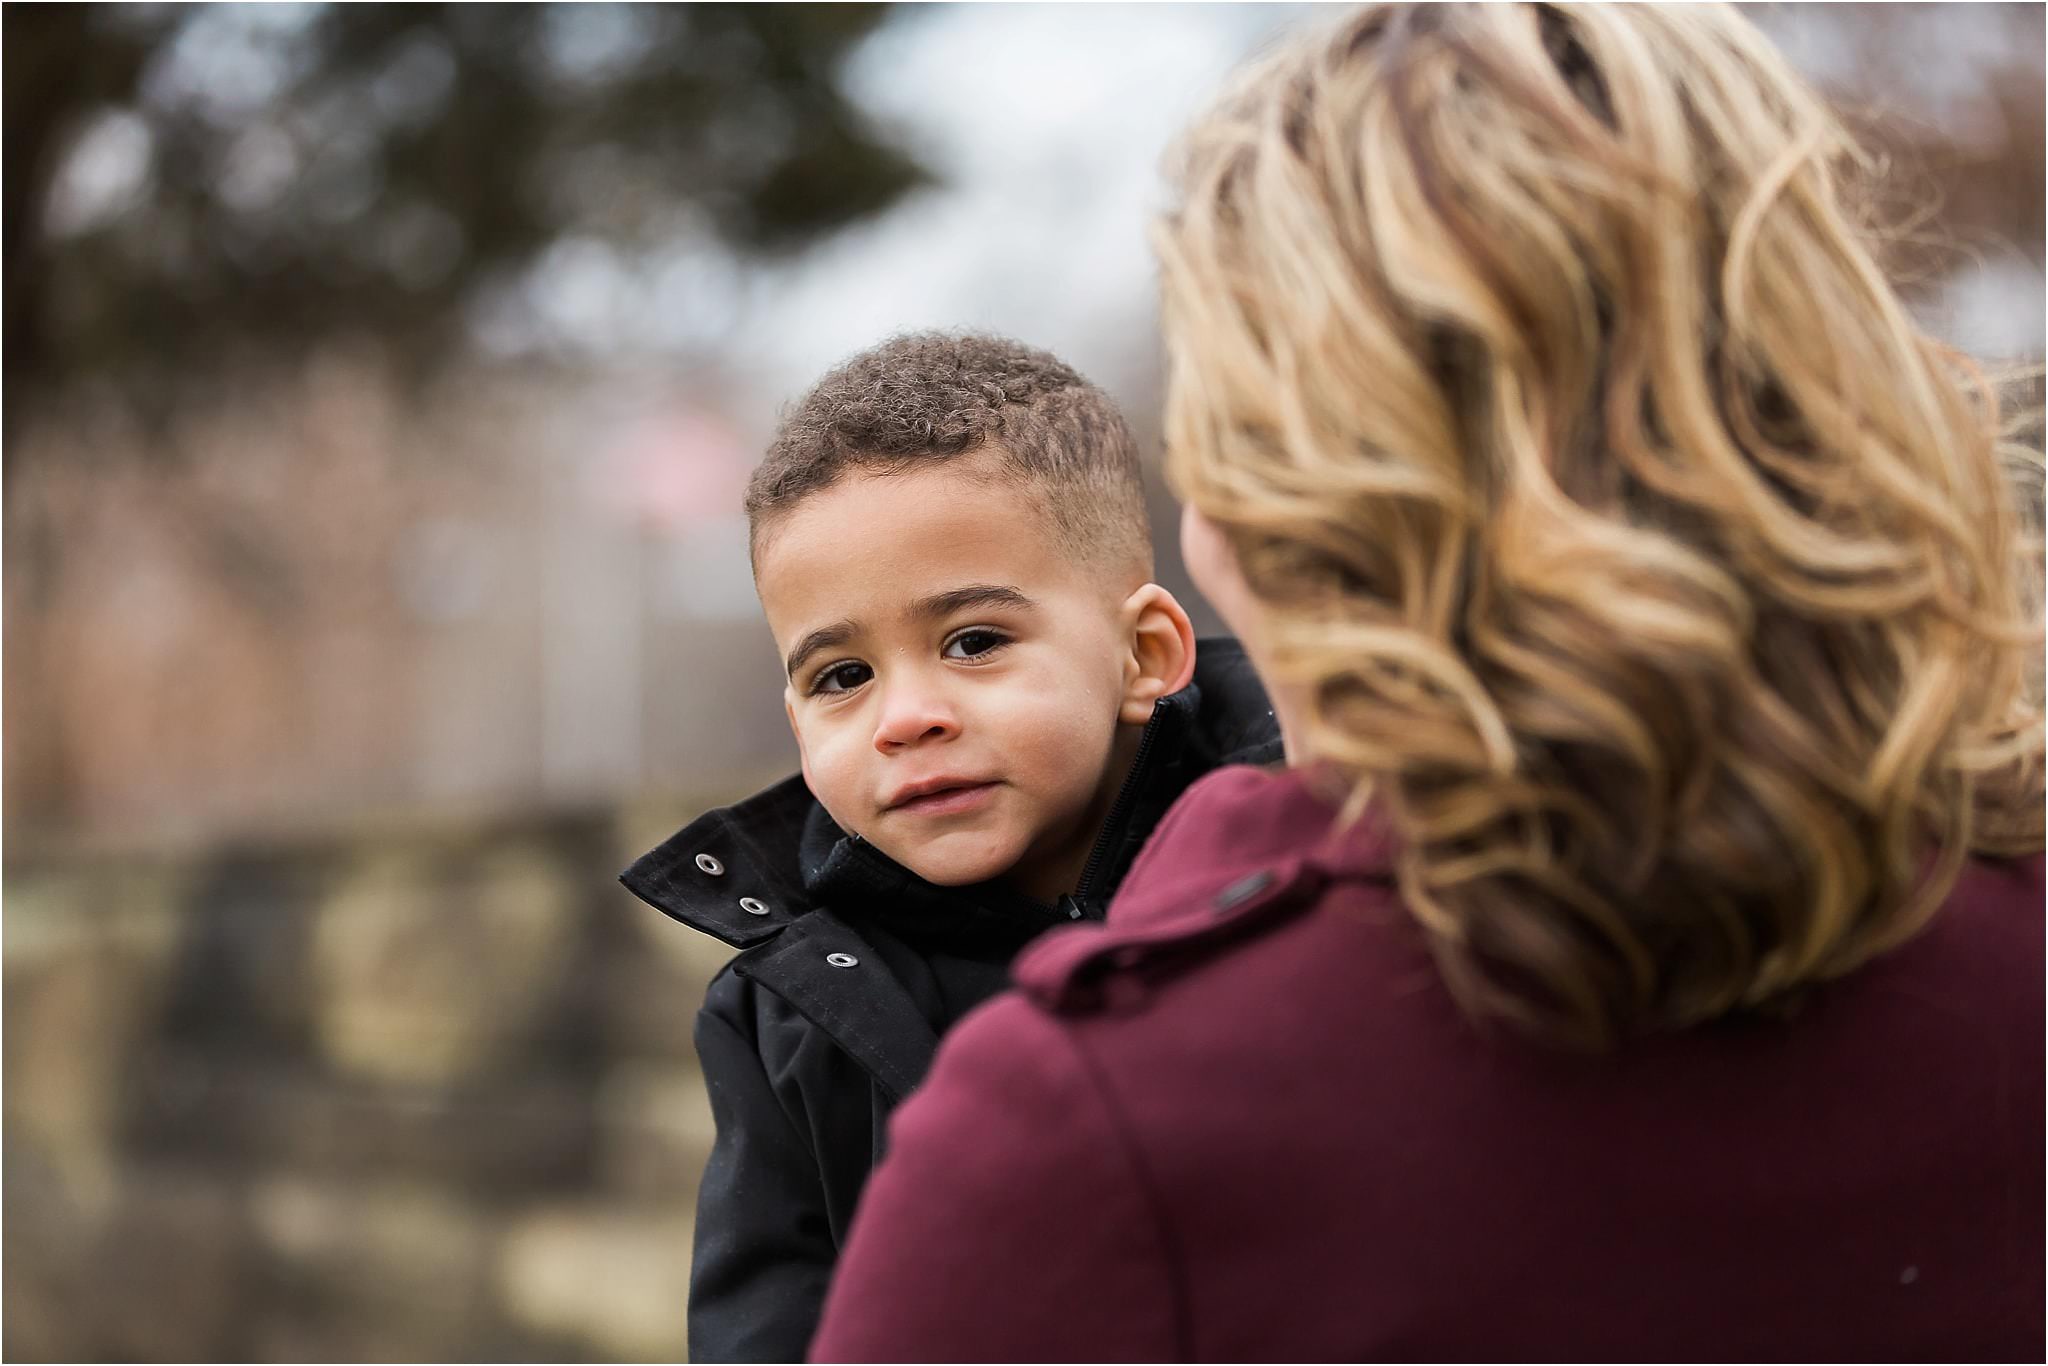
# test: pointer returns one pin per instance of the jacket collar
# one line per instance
(878, 1025)
(744, 873)
(733, 873)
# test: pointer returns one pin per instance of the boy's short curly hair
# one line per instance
(932, 396)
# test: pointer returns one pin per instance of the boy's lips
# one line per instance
(940, 796)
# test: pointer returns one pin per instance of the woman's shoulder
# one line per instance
(1247, 854)
(1229, 823)
(1989, 930)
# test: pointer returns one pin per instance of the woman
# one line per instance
(1642, 954)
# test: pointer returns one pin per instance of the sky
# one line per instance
(1048, 125)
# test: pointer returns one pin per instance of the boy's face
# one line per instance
(956, 681)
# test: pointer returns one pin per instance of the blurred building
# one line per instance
(523, 594)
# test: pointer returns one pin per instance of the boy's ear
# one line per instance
(1161, 659)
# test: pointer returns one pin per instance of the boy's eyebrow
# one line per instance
(973, 595)
(925, 608)
(824, 638)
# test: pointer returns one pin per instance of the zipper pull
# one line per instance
(1074, 908)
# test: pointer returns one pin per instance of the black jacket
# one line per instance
(850, 969)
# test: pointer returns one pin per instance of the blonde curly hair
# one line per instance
(1675, 597)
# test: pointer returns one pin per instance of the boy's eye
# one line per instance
(974, 644)
(841, 678)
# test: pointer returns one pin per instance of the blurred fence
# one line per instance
(419, 1093)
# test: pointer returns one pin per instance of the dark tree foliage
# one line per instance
(366, 170)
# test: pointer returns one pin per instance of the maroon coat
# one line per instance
(1244, 1121)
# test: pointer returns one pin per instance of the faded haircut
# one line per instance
(928, 397)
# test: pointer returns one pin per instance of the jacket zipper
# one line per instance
(1112, 831)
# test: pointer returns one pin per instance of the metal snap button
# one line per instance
(842, 960)
(711, 865)
(753, 907)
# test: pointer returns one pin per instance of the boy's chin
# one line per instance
(960, 874)
(956, 868)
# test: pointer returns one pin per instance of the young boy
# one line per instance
(994, 704)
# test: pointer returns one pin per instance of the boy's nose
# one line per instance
(911, 715)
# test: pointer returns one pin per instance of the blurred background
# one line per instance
(380, 382)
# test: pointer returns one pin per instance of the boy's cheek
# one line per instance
(803, 751)
(831, 776)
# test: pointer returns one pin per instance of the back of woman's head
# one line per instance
(1672, 593)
